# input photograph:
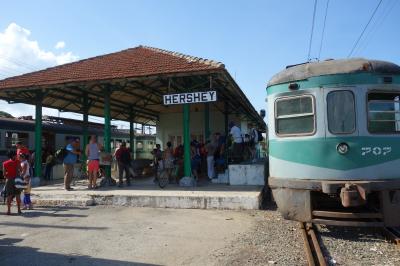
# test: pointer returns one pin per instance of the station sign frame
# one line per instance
(190, 97)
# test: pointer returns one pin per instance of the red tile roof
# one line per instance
(134, 62)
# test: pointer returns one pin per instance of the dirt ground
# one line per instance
(118, 236)
(151, 236)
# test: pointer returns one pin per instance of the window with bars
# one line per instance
(384, 112)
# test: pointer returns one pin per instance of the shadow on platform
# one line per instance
(12, 254)
(29, 225)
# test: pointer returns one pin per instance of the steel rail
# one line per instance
(312, 246)
(392, 234)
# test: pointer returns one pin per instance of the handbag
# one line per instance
(20, 183)
(4, 194)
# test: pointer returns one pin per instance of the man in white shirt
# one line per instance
(237, 138)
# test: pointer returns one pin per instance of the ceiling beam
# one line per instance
(114, 102)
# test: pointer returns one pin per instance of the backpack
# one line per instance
(260, 136)
(53, 161)
(125, 157)
(61, 153)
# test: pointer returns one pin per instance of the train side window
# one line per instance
(295, 115)
(150, 145)
(13, 137)
(341, 112)
(139, 145)
(384, 112)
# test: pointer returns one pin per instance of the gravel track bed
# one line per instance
(357, 246)
(272, 240)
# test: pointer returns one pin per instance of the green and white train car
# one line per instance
(334, 142)
(57, 133)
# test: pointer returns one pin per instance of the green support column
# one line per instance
(85, 132)
(38, 135)
(186, 141)
(206, 121)
(107, 128)
(132, 135)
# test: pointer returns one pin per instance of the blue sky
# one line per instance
(254, 39)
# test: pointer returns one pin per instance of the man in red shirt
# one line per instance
(11, 169)
(123, 156)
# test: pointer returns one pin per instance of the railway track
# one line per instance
(313, 249)
(312, 246)
(392, 234)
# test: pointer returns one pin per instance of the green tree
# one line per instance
(5, 114)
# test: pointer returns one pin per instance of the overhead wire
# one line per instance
(323, 30)
(312, 30)
(375, 26)
(20, 63)
(364, 29)
(19, 68)
(9, 71)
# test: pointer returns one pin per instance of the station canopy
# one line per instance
(136, 79)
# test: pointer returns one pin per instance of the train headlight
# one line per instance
(342, 148)
(293, 86)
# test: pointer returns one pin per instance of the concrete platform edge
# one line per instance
(234, 202)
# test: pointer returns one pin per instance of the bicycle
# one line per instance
(79, 173)
(162, 175)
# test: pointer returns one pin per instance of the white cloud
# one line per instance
(20, 54)
(60, 45)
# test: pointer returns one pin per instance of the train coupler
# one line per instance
(353, 195)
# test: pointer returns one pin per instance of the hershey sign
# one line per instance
(190, 97)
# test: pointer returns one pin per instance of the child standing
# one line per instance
(25, 174)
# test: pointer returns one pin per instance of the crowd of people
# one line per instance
(245, 144)
(207, 160)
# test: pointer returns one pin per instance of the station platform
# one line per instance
(147, 194)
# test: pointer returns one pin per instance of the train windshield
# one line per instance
(384, 112)
(341, 112)
(295, 115)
